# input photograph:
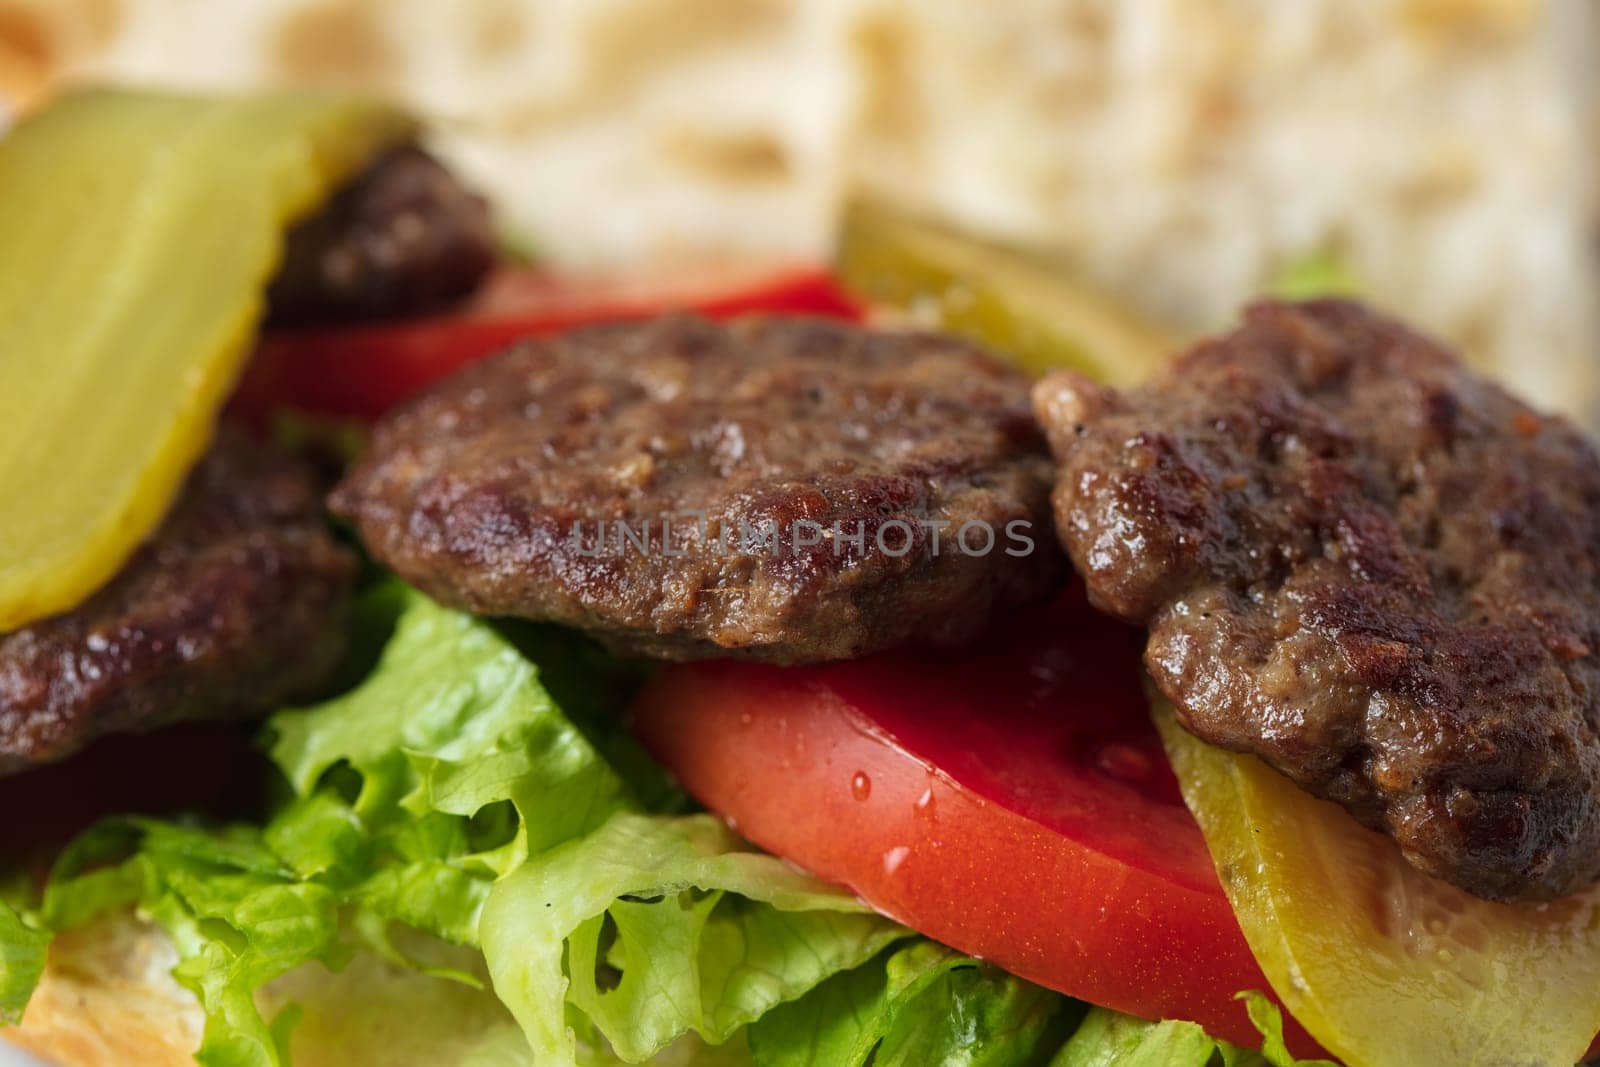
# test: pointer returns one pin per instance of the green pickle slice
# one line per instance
(1020, 306)
(138, 232)
(1385, 966)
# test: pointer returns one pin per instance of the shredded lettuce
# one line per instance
(469, 811)
(452, 721)
(653, 928)
(922, 1003)
(449, 778)
(237, 914)
(1111, 1039)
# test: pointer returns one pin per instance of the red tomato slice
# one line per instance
(360, 371)
(1013, 802)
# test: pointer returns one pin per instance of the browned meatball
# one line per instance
(787, 490)
(235, 605)
(404, 237)
(1366, 564)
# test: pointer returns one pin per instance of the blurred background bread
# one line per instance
(1182, 153)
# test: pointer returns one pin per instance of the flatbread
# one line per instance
(1182, 154)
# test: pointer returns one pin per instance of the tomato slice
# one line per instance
(360, 371)
(1013, 802)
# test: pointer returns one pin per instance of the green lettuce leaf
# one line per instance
(444, 767)
(470, 809)
(465, 766)
(22, 955)
(452, 720)
(653, 928)
(922, 1003)
(237, 914)
(1265, 1017)
(1111, 1039)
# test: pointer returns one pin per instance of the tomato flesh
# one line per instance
(361, 371)
(1013, 802)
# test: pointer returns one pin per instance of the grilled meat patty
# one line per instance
(404, 237)
(788, 490)
(1366, 564)
(235, 605)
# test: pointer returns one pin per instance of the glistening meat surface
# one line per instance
(1368, 565)
(796, 489)
(234, 606)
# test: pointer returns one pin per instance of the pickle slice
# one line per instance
(137, 235)
(1018, 305)
(1385, 966)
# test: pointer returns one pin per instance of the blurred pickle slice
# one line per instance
(1018, 305)
(1385, 966)
(1320, 273)
(137, 235)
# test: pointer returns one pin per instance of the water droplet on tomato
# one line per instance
(894, 858)
(1124, 762)
(924, 803)
(861, 786)
(745, 718)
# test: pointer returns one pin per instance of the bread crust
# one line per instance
(107, 998)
